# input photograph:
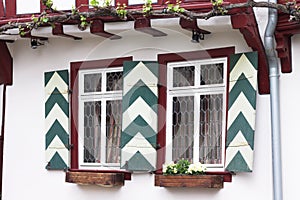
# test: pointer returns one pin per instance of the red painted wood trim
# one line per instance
(1, 9)
(285, 29)
(81, 5)
(163, 59)
(11, 8)
(74, 68)
(246, 23)
(284, 51)
(6, 65)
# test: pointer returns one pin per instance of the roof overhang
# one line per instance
(242, 19)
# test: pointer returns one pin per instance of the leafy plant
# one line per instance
(217, 5)
(175, 7)
(83, 22)
(94, 3)
(147, 7)
(121, 11)
(183, 167)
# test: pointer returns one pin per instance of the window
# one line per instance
(100, 113)
(193, 96)
(96, 105)
(196, 95)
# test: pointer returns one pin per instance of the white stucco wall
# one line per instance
(24, 173)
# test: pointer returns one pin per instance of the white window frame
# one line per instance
(102, 96)
(195, 91)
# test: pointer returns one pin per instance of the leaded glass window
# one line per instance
(100, 113)
(195, 112)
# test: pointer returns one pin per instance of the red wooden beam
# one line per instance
(11, 8)
(6, 65)
(97, 28)
(246, 23)
(285, 29)
(59, 31)
(143, 24)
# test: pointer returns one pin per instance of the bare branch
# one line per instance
(289, 8)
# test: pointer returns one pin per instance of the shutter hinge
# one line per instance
(69, 146)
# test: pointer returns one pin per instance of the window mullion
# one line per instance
(169, 130)
(103, 132)
(196, 128)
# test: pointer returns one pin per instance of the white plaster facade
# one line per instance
(24, 173)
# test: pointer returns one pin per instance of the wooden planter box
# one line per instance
(202, 181)
(106, 179)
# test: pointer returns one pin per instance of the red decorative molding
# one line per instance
(6, 65)
(246, 23)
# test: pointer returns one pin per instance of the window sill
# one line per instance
(96, 177)
(208, 180)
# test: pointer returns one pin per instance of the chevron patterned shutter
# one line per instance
(241, 112)
(139, 120)
(57, 119)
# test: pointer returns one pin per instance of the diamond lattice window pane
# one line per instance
(210, 138)
(113, 130)
(184, 76)
(114, 81)
(183, 127)
(92, 131)
(92, 82)
(211, 74)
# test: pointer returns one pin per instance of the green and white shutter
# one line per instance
(241, 112)
(139, 120)
(57, 119)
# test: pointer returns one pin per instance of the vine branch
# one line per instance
(120, 12)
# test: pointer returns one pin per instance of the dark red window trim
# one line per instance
(163, 59)
(75, 67)
(6, 65)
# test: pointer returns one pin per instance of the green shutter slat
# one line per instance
(241, 112)
(57, 119)
(139, 119)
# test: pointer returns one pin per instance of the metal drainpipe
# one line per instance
(274, 100)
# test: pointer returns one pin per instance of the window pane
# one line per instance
(211, 107)
(211, 74)
(183, 128)
(92, 82)
(114, 81)
(92, 131)
(113, 130)
(183, 76)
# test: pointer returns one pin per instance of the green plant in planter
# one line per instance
(182, 167)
